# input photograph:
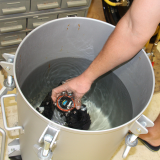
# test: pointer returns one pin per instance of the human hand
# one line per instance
(78, 85)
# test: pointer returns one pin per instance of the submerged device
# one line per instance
(64, 111)
(65, 102)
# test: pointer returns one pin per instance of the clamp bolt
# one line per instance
(7, 68)
(138, 130)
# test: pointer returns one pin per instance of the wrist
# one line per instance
(87, 78)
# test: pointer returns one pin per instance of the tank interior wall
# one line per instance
(58, 39)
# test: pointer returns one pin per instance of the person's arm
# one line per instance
(131, 33)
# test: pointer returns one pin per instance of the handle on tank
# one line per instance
(4, 114)
(3, 144)
(3, 91)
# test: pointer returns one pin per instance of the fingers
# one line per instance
(71, 85)
(78, 102)
(57, 91)
(54, 95)
(68, 79)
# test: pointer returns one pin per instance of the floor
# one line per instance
(137, 153)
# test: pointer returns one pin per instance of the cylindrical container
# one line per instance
(76, 38)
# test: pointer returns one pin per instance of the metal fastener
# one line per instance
(138, 130)
(7, 68)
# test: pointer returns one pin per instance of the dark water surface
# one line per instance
(108, 101)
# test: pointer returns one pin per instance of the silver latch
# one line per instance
(48, 139)
(139, 127)
(8, 64)
(47, 142)
(9, 84)
(14, 148)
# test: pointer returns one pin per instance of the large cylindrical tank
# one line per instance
(76, 38)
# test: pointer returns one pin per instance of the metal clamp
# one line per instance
(3, 144)
(48, 137)
(9, 83)
(8, 57)
(129, 143)
(8, 64)
(14, 148)
(39, 151)
(4, 115)
(51, 131)
(139, 127)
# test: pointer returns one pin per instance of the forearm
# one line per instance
(129, 36)
(119, 48)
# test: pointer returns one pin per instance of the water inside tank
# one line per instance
(108, 101)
